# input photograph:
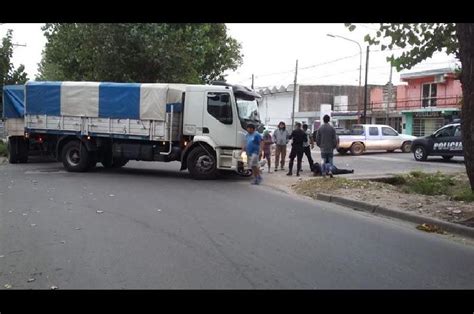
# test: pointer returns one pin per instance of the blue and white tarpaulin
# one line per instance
(13, 101)
(103, 100)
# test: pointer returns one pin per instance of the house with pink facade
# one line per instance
(427, 101)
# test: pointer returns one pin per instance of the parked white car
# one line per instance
(364, 137)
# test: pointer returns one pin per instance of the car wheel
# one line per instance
(419, 152)
(357, 149)
(406, 147)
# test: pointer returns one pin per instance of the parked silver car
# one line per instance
(364, 137)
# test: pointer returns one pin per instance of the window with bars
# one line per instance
(429, 93)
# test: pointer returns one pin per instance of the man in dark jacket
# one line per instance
(298, 136)
(326, 139)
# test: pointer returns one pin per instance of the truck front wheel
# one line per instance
(406, 147)
(357, 149)
(75, 157)
(201, 164)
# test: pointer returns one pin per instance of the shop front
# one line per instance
(423, 122)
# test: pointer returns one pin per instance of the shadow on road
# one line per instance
(162, 173)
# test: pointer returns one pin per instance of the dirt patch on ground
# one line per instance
(443, 207)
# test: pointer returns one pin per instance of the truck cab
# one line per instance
(215, 120)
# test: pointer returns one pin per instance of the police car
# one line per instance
(445, 142)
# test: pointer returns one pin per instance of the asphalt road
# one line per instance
(148, 226)
(377, 163)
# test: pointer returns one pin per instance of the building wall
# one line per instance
(312, 96)
(276, 107)
(449, 93)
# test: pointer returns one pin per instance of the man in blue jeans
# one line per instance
(326, 139)
(253, 148)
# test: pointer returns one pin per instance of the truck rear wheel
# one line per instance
(17, 150)
(357, 149)
(75, 157)
(201, 164)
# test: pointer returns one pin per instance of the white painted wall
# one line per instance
(277, 107)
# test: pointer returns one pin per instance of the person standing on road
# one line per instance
(298, 136)
(308, 145)
(280, 138)
(253, 148)
(267, 148)
(326, 139)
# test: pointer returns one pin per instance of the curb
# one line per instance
(383, 211)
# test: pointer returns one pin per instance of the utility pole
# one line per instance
(389, 95)
(294, 98)
(365, 88)
(252, 81)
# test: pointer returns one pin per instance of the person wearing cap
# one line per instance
(253, 148)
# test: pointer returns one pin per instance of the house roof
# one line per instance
(432, 72)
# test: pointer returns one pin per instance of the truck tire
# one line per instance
(17, 150)
(342, 151)
(201, 165)
(12, 151)
(75, 157)
(419, 152)
(447, 157)
(357, 149)
(406, 147)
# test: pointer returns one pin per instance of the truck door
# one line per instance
(373, 138)
(390, 139)
(219, 119)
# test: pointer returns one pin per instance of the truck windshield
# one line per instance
(248, 110)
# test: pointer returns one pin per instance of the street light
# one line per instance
(360, 65)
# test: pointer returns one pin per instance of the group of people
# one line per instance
(302, 143)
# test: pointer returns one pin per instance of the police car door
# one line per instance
(456, 149)
(443, 141)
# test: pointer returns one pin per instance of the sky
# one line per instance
(270, 52)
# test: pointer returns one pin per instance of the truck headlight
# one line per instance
(244, 157)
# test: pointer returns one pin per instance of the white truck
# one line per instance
(83, 123)
(364, 137)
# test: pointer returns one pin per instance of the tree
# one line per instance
(121, 52)
(8, 74)
(423, 39)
